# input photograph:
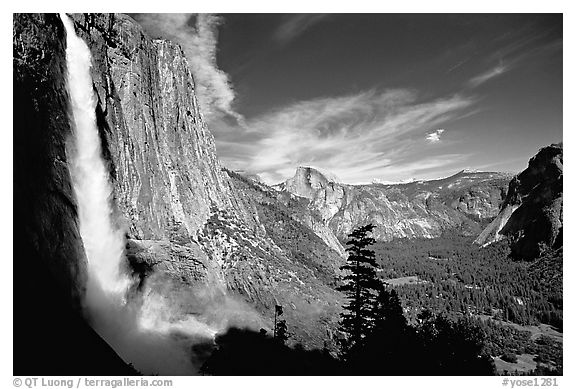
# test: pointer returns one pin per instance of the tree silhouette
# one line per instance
(358, 317)
(449, 347)
(243, 352)
(282, 331)
(389, 313)
(388, 349)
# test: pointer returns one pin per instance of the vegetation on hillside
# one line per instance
(463, 279)
(441, 327)
(378, 338)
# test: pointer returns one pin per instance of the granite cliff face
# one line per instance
(161, 154)
(288, 221)
(185, 218)
(532, 213)
(420, 209)
(187, 224)
(190, 224)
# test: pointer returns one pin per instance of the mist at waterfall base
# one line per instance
(144, 326)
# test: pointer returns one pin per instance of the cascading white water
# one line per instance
(104, 244)
(146, 329)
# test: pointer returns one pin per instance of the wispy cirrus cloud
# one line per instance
(520, 49)
(522, 43)
(459, 64)
(358, 137)
(488, 75)
(295, 25)
(198, 37)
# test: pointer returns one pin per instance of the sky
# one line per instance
(373, 97)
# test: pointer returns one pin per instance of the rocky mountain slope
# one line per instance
(292, 226)
(532, 213)
(421, 209)
(285, 204)
(190, 232)
(193, 228)
(184, 216)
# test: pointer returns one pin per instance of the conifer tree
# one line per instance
(389, 313)
(357, 319)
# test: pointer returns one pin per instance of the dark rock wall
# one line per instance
(531, 216)
(536, 225)
(49, 261)
(41, 178)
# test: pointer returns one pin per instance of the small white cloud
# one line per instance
(434, 136)
(358, 137)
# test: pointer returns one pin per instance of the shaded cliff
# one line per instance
(49, 261)
(421, 209)
(532, 213)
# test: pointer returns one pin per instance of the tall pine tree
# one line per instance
(360, 286)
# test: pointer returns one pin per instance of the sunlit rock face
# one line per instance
(532, 214)
(167, 178)
(327, 196)
(184, 216)
(186, 219)
(188, 224)
(421, 209)
(162, 155)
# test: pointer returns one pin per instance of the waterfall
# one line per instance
(144, 330)
(103, 242)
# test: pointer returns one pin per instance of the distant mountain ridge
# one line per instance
(419, 209)
(193, 228)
